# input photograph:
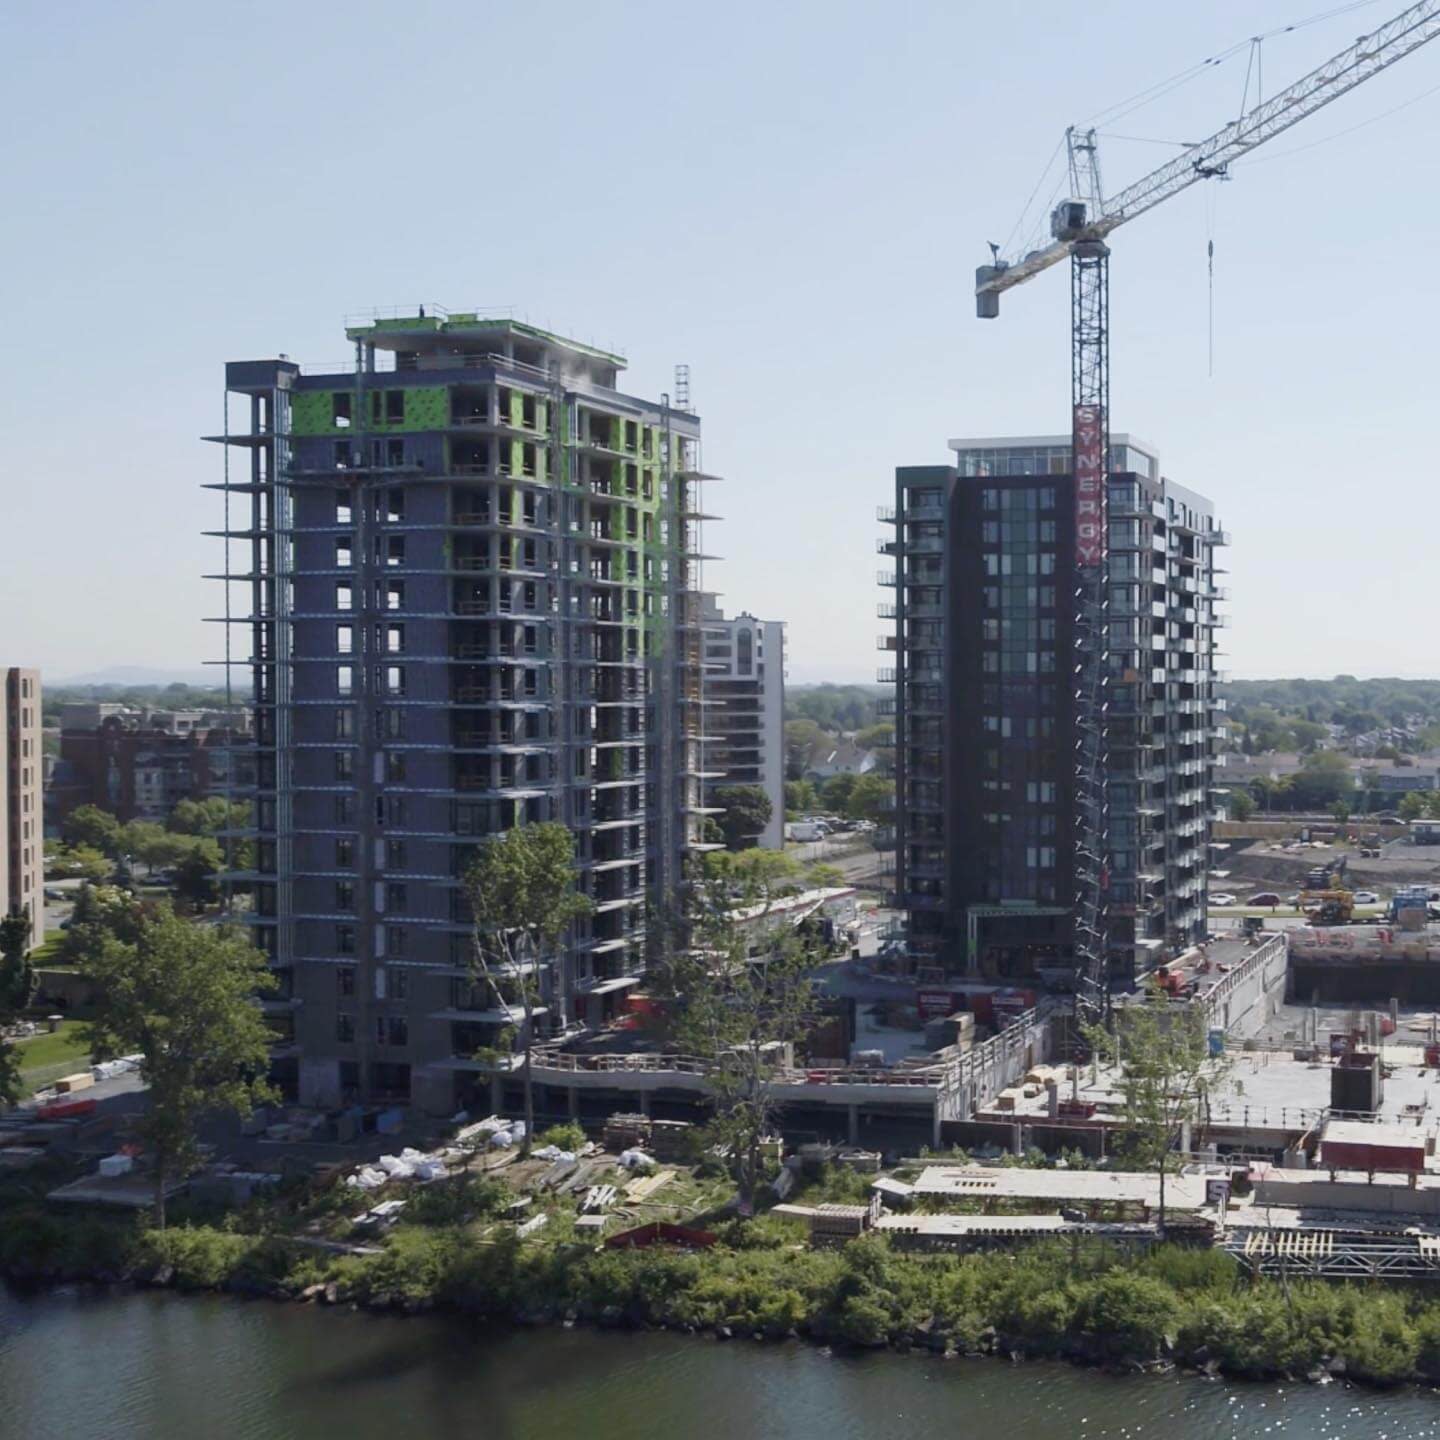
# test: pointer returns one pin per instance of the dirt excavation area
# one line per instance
(1250, 867)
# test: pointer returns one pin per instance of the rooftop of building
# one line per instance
(434, 329)
(1046, 442)
(91, 714)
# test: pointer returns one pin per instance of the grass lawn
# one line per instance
(46, 956)
(45, 1058)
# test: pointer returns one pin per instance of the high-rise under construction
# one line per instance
(985, 708)
(466, 574)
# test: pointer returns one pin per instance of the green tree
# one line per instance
(824, 877)
(147, 842)
(94, 828)
(82, 862)
(1412, 805)
(198, 863)
(802, 739)
(836, 791)
(1166, 1077)
(1340, 811)
(17, 987)
(208, 816)
(879, 736)
(523, 898)
(800, 798)
(183, 997)
(740, 1013)
(1240, 804)
(871, 797)
(747, 813)
(102, 913)
(746, 872)
(1323, 779)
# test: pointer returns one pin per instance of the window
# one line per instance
(344, 809)
(344, 595)
(344, 556)
(344, 895)
(340, 409)
(344, 939)
(345, 723)
(399, 982)
(344, 853)
(344, 765)
(390, 594)
(345, 1028)
(391, 1030)
(394, 407)
(344, 680)
(344, 639)
(395, 455)
(391, 638)
(390, 724)
(343, 513)
(395, 857)
(396, 941)
(392, 678)
(397, 897)
(395, 767)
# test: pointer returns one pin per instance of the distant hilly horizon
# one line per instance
(201, 677)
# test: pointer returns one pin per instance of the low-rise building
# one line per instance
(139, 764)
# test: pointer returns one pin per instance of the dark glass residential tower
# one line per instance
(467, 573)
(983, 640)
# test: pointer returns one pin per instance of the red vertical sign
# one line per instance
(1089, 444)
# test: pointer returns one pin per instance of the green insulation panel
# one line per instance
(312, 412)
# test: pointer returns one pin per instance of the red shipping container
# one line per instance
(1359, 1145)
(66, 1109)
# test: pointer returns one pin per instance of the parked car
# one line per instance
(1224, 899)
(1366, 897)
(1265, 897)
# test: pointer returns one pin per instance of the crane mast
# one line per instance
(1079, 227)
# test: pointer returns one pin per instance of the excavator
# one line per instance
(1328, 907)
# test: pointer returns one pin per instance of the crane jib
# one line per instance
(1368, 56)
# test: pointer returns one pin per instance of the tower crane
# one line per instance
(1079, 227)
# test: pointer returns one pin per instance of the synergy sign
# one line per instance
(1089, 444)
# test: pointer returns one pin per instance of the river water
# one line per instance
(163, 1367)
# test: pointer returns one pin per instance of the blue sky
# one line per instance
(791, 199)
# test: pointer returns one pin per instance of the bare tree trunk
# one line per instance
(529, 1082)
(1164, 1158)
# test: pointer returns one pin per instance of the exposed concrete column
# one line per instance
(644, 1102)
(852, 1116)
(1017, 1139)
(572, 1096)
(497, 1094)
